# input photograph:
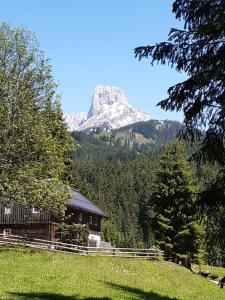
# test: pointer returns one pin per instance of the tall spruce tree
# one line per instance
(176, 231)
(34, 143)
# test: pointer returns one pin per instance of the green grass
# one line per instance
(30, 274)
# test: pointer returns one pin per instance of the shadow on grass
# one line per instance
(50, 296)
(126, 291)
(138, 293)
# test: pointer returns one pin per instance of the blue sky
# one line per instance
(90, 42)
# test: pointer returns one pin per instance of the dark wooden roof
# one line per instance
(81, 202)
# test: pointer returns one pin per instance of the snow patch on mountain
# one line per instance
(109, 109)
(74, 121)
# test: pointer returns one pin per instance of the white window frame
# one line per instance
(8, 210)
(7, 231)
(80, 217)
(90, 220)
(35, 210)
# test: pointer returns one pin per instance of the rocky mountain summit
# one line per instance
(109, 110)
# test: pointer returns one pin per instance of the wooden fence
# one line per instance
(151, 253)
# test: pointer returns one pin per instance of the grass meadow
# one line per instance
(39, 275)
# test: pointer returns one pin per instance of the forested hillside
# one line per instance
(159, 132)
(123, 190)
(123, 181)
(127, 142)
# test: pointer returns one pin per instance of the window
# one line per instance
(80, 217)
(96, 221)
(35, 210)
(7, 210)
(7, 231)
(90, 220)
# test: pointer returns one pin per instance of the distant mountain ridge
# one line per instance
(125, 143)
(109, 110)
(157, 132)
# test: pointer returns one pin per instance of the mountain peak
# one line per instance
(109, 109)
(105, 95)
(109, 93)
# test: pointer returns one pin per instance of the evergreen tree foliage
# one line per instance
(176, 230)
(198, 50)
(215, 239)
(123, 190)
(34, 144)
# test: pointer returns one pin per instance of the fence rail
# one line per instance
(151, 253)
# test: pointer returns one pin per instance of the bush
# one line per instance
(76, 234)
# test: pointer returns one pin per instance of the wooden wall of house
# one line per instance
(73, 216)
(23, 221)
(20, 214)
(35, 231)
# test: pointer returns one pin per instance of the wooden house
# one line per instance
(33, 223)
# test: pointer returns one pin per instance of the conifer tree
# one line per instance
(177, 232)
(198, 50)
